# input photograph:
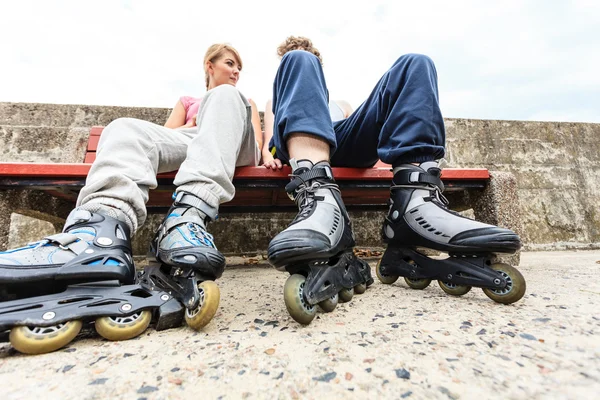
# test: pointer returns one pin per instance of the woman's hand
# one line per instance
(270, 162)
(191, 123)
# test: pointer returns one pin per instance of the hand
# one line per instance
(270, 162)
(191, 123)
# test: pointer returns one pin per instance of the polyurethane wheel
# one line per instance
(385, 279)
(210, 296)
(123, 328)
(346, 295)
(293, 295)
(328, 305)
(515, 285)
(418, 284)
(360, 288)
(453, 289)
(40, 340)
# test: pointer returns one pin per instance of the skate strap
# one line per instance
(68, 241)
(307, 176)
(188, 199)
(172, 222)
(408, 177)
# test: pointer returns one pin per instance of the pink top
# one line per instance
(191, 106)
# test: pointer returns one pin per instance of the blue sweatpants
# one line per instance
(399, 123)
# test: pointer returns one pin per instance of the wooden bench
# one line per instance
(48, 191)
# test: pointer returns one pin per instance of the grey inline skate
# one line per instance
(316, 248)
(419, 218)
(84, 274)
(184, 260)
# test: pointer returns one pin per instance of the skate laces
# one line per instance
(201, 235)
(305, 195)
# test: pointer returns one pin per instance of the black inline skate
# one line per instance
(316, 248)
(184, 260)
(85, 274)
(419, 218)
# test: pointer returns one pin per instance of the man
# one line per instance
(401, 124)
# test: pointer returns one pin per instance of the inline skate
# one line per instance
(419, 218)
(184, 260)
(316, 248)
(84, 274)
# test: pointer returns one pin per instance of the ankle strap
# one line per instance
(188, 199)
(407, 177)
(317, 172)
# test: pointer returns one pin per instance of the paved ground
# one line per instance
(390, 342)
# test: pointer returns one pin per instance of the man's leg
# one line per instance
(303, 133)
(317, 242)
(402, 120)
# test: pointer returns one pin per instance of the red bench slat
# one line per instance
(81, 170)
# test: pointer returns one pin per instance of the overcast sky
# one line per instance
(516, 60)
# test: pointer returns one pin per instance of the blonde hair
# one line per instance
(215, 52)
(298, 43)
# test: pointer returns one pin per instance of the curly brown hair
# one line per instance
(298, 43)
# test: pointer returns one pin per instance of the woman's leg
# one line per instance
(224, 139)
(130, 154)
(110, 207)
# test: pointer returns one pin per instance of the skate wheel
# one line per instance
(418, 284)
(123, 328)
(346, 295)
(40, 340)
(210, 295)
(385, 279)
(360, 288)
(453, 289)
(328, 305)
(515, 288)
(297, 306)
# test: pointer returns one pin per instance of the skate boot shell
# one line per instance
(184, 260)
(87, 275)
(419, 218)
(316, 248)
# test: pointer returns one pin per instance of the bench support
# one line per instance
(498, 204)
(32, 203)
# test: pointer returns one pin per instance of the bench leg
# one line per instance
(4, 222)
(33, 204)
(498, 204)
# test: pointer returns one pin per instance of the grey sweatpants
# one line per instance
(131, 152)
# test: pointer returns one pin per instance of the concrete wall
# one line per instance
(556, 165)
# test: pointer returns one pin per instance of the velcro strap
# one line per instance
(77, 216)
(196, 202)
(78, 247)
(307, 176)
(172, 222)
(69, 241)
(64, 239)
(408, 177)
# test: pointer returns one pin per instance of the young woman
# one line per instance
(204, 139)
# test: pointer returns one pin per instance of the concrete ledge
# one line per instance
(555, 165)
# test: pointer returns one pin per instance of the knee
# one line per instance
(122, 129)
(224, 91)
(299, 57)
(415, 60)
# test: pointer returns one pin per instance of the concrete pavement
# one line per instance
(391, 342)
